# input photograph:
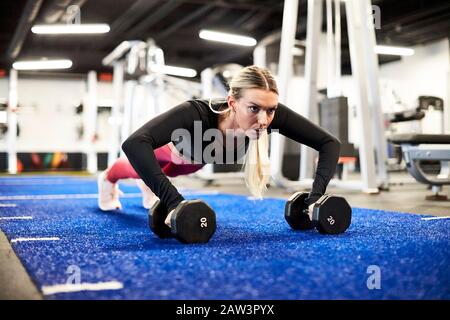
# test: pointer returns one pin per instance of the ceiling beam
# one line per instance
(27, 19)
(138, 31)
(190, 17)
(138, 10)
(244, 18)
(246, 5)
(407, 16)
(259, 18)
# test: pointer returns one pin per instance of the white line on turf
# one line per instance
(91, 196)
(16, 218)
(37, 182)
(8, 205)
(35, 239)
(436, 218)
(63, 288)
(63, 196)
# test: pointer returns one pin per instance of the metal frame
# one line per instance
(125, 58)
(358, 31)
(132, 92)
(413, 154)
(365, 73)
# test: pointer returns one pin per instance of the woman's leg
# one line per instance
(172, 165)
(122, 168)
(173, 170)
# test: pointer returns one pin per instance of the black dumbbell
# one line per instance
(193, 221)
(156, 220)
(331, 214)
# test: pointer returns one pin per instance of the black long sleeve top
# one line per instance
(185, 126)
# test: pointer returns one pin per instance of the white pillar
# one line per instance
(114, 146)
(356, 34)
(137, 107)
(288, 32)
(12, 123)
(161, 86)
(331, 59)
(90, 121)
(259, 56)
(314, 23)
(337, 43)
(447, 107)
(372, 76)
(207, 88)
(130, 86)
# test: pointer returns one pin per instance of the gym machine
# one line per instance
(365, 74)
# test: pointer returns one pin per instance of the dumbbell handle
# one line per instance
(309, 211)
(169, 218)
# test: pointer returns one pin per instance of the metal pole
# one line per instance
(91, 122)
(366, 149)
(207, 88)
(114, 146)
(159, 81)
(259, 56)
(330, 51)
(130, 86)
(314, 23)
(372, 76)
(288, 32)
(12, 122)
(337, 40)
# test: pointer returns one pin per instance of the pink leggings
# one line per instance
(122, 169)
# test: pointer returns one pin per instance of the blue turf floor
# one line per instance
(253, 254)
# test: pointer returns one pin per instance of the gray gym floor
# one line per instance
(405, 195)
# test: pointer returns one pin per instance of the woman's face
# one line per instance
(254, 110)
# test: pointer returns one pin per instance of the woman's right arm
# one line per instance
(139, 149)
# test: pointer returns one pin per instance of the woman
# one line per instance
(180, 141)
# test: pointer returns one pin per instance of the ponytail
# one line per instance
(257, 165)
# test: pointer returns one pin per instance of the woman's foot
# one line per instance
(108, 194)
(148, 197)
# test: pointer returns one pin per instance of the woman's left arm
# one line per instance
(298, 128)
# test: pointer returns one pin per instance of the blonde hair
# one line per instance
(256, 164)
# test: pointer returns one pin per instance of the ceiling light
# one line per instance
(397, 51)
(42, 64)
(70, 28)
(227, 38)
(175, 71)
